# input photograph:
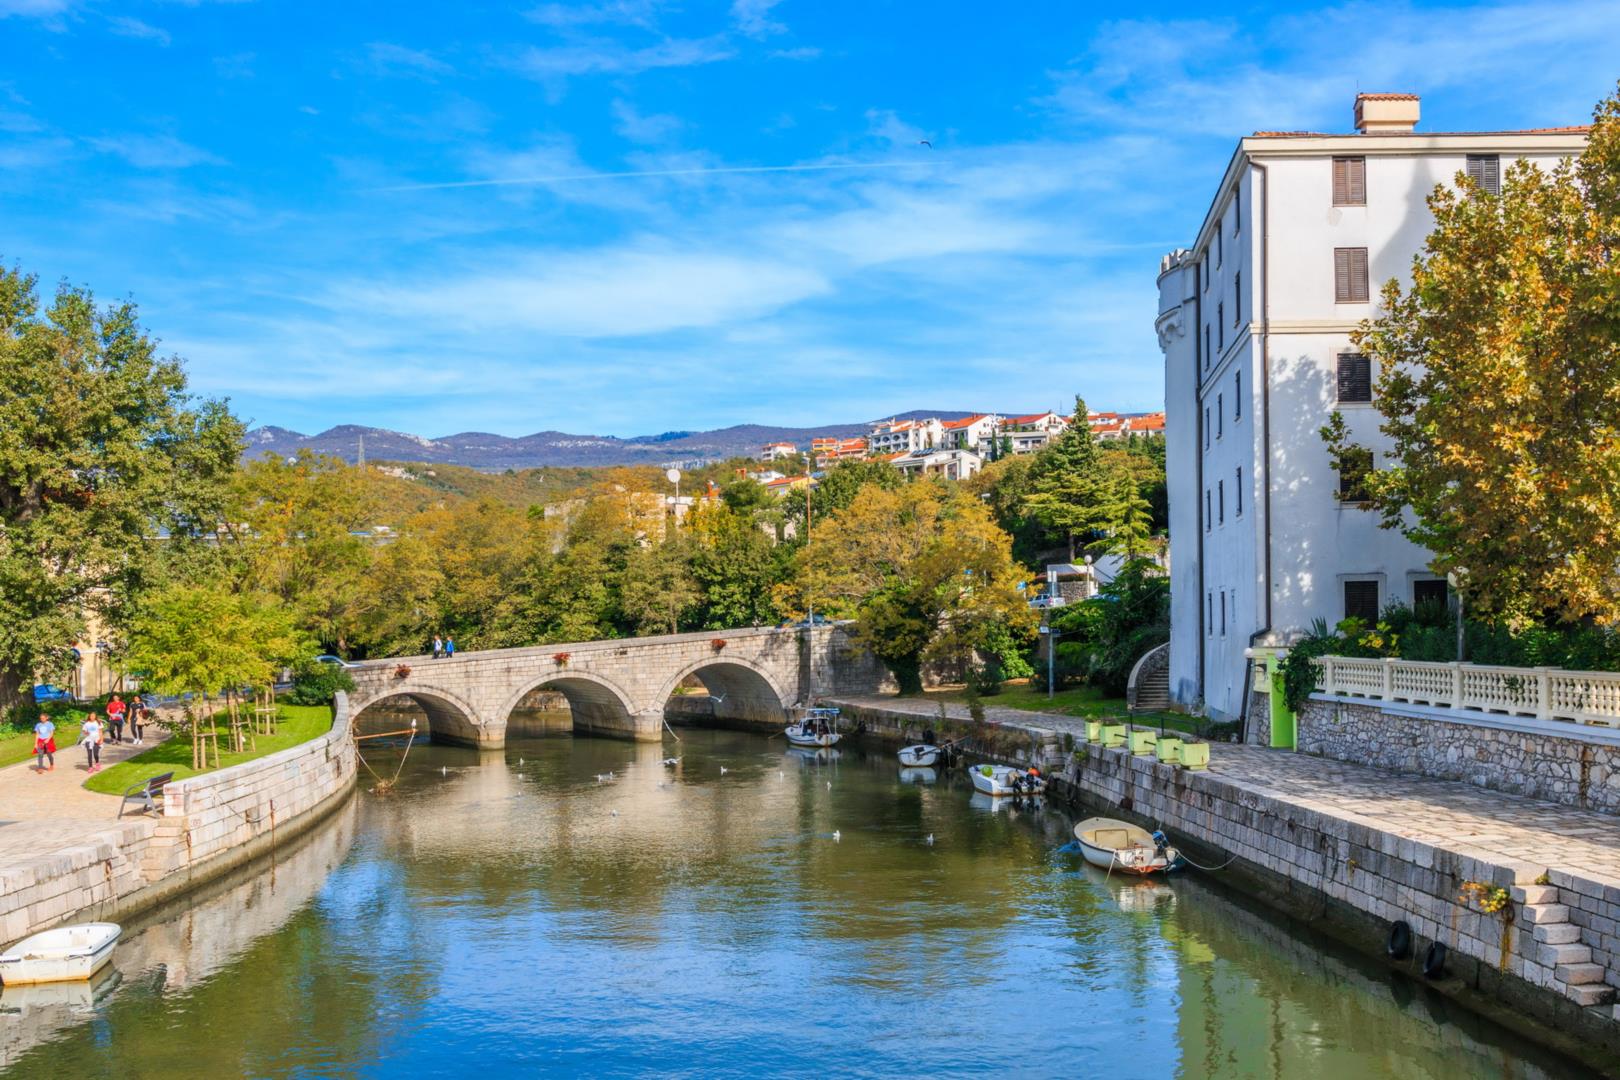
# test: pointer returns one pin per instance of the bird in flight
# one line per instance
(925, 142)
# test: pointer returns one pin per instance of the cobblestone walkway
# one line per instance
(1496, 826)
(44, 812)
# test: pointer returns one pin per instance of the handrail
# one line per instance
(1584, 697)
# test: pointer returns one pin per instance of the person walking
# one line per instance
(115, 718)
(44, 744)
(438, 646)
(137, 717)
(449, 647)
(90, 739)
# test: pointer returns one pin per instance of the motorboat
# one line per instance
(817, 728)
(1118, 845)
(61, 955)
(918, 776)
(999, 780)
(920, 756)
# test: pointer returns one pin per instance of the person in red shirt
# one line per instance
(115, 718)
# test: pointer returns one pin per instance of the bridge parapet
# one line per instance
(620, 686)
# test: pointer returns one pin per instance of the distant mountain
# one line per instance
(482, 450)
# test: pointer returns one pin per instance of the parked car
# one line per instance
(328, 658)
(46, 692)
(813, 620)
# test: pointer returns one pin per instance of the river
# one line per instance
(524, 913)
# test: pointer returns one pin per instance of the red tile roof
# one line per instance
(966, 421)
(1031, 418)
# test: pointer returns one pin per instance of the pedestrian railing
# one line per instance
(1585, 697)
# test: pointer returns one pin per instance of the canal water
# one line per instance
(572, 906)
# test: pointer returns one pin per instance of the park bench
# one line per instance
(147, 792)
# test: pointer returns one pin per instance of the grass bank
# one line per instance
(1087, 702)
(17, 741)
(297, 724)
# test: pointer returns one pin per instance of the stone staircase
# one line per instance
(1561, 961)
(1149, 686)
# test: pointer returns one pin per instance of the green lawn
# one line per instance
(17, 743)
(298, 724)
(1085, 701)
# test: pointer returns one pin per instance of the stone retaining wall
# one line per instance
(210, 824)
(1354, 879)
(1575, 766)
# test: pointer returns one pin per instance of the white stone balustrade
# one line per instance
(1584, 697)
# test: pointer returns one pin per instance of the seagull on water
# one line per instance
(930, 840)
(615, 813)
(722, 770)
(837, 836)
(829, 785)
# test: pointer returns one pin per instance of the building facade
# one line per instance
(1255, 322)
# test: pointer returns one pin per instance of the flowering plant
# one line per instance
(561, 658)
(717, 644)
(402, 671)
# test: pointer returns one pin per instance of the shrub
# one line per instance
(986, 678)
(315, 683)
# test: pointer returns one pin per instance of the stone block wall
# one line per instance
(1521, 756)
(1258, 730)
(40, 893)
(1327, 868)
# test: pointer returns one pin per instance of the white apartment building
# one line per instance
(977, 433)
(1030, 433)
(905, 436)
(1255, 321)
(951, 464)
(778, 451)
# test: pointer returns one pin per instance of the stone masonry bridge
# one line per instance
(620, 687)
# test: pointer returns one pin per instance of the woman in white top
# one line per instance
(90, 739)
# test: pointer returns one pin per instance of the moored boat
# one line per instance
(61, 955)
(817, 727)
(920, 756)
(999, 780)
(1118, 845)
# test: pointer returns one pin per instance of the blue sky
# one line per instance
(628, 216)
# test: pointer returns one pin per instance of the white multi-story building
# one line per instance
(1255, 322)
(778, 451)
(1028, 434)
(951, 464)
(977, 433)
(905, 436)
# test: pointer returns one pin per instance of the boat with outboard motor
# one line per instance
(920, 756)
(817, 727)
(999, 780)
(1118, 845)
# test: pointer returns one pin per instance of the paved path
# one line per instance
(43, 812)
(1499, 827)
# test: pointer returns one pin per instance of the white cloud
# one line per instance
(386, 58)
(753, 17)
(888, 126)
(125, 26)
(640, 13)
(35, 9)
(154, 151)
(614, 58)
(644, 127)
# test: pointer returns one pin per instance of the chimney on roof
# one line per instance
(1384, 114)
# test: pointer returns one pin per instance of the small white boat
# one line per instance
(999, 780)
(1119, 845)
(920, 756)
(817, 727)
(61, 955)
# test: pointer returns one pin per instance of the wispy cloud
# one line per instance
(716, 170)
(387, 58)
(126, 26)
(35, 9)
(640, 13)
(154, 151)
(753, 17)
(613, 58)
(644, 127)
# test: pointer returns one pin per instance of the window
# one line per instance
(1349, 181)
(1361, 601)
(1220, 325)
(1206, 346)
(1208, 517)
(1353, 469)
(1218, 251)
(1355, 377)
(1237, 486)
(1237, 395)
(1220, 415)
(1350, 275)
(1223, 613)
(1237, 298)
(1209, 622)
(1486, 171)
(1206, 427)
(1237, 216)
(1429, 592)
(1220, 501)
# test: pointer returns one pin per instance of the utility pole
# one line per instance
(362, 461)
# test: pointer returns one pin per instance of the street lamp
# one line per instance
(1051, 652)
(673, 475)
(1455, 579)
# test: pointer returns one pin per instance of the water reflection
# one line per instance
(523, 912)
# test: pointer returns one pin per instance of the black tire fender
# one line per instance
(1434, 961)
(1399, 945)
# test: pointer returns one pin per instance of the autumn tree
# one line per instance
(1499, 388)
(923, 570)
(100, 449)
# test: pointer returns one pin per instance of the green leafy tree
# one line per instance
(1499, 389)
(100, 448)
(735, 565)
(1068, 490)
(658, 588)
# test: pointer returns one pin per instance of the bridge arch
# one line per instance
(450, 719)
(739, 688)
(598, 704)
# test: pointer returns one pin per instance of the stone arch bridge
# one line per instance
(620, 687)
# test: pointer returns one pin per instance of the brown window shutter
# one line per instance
(1350, 275)
(1349, 181)
(1486, 171)
(1341, 274)
(1358, 275)
(1355, 377)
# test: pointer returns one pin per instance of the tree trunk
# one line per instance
(907, 672)
(13, 691)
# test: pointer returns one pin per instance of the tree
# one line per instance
(1067, 488)
(837, 488)
(100, 447)
(923, 570)
(1130, 518)
(1499, 389)
(735, 565)
(658, 588)
(202, 639)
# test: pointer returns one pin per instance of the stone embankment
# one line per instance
(1523, 894)
(210, 823)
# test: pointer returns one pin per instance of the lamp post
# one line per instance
(1051, 652)
(673, 475)
(1455, 579)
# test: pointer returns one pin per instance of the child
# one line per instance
(90, 739)
(45, 743)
